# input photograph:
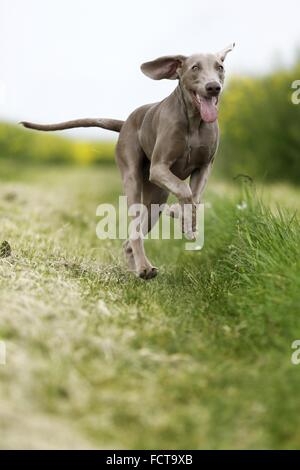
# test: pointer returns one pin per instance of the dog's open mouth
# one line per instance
(207, 107)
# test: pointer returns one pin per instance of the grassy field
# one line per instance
(199, 357)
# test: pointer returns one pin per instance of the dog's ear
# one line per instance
(163, 67)
(222, 54)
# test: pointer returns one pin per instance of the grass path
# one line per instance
(196, 358)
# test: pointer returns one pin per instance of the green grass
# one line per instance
(199, 357)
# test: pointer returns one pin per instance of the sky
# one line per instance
(65, 59)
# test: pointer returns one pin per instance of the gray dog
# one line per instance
(162, 144)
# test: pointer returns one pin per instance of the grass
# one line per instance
(199, 357)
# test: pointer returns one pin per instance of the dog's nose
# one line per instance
(213, 88)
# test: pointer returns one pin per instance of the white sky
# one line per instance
(63, 59)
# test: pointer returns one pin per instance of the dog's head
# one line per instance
(201, 77)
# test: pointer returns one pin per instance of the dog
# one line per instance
(162, 144)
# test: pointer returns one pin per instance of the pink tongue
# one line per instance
(209, 112)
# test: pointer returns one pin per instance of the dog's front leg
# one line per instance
(166, 152)
(198, 182)
(161, 175)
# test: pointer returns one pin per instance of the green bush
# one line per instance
(260, 127)
(23, 145)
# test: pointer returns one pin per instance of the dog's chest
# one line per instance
(201, 146)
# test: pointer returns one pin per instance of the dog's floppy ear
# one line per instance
(222, 54)
(163, 67)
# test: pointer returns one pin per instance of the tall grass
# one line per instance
(199, 357)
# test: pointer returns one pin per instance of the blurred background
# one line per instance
(201, 356)
(62, 60)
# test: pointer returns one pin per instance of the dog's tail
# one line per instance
(110, 124)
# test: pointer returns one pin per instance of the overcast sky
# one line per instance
(63, 59)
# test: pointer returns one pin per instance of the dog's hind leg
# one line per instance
(153, 199)
(131, 160)
(128, 253)
(152, 195)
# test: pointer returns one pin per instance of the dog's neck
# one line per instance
(189, 110)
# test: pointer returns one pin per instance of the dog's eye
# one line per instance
(195, 68)
(220, 68)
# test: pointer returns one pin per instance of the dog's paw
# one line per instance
(187, 214)
(192, 236)
(147, 272)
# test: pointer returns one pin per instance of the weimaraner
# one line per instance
(162, 144)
